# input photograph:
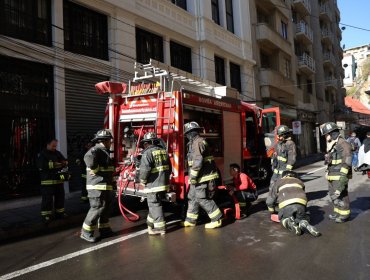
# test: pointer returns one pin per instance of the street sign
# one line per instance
(297, 128)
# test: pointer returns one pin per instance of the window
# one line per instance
(215, 12)
(265, 60)
(148, 45)
(286, 68)
(299, 81)
(229, 15)
(180, 57)
(284, 30)
(235, 76)
(309, 86)
(85, 31)
(220, 70)
(28, 20)
(326, 96)
(180, 3)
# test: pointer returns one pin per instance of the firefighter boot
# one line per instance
(333, 216)
(304, 225)
(341, 219)
(46, 219)
(215, 224)
(187, 224)
(88, 236)
(153, 231)
(290, 224)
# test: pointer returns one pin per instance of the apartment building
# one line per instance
(359, 54)
(296, 47)
(52, 53)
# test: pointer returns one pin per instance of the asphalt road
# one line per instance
(253, 248)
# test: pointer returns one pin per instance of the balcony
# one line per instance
(272, 5)
(306, 64)
(331, 83)
(325, 12)
(273, 78)
(327, 36)
(304, 33)
(329, 59)
(270, 39)
(302, 6)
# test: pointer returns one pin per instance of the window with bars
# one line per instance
(229, 15)
(180, 57)
(287, 68)
(28, 20)
(220, 70)
(235, 77)
(180, 3)
(148, 45)
(284, 29)
(215, 11)
(85, 31)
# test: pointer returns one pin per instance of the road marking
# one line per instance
(313, 171)
(75, 254)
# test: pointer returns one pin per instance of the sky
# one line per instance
(355, 13)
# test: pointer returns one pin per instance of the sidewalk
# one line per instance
(21, 218)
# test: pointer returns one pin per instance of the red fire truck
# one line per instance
(162, 99)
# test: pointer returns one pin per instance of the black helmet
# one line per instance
(191, 126)
(103, 134)
(328, 127)
(282, 129)
(289, 173)
(149, 137)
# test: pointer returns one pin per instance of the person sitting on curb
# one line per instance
(289, 194)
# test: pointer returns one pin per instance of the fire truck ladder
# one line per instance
(165, 121)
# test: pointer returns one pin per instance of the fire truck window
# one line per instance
(251, 131)
(269, 124)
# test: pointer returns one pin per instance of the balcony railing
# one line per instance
(325, 11)
(306, 63)
(327, 35)
(302, 28)
(303, 6)
(328, 57)
(331, 82)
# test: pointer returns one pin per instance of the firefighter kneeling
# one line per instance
(202, 176)
(289, 193)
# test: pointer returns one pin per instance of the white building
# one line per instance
(349, 65)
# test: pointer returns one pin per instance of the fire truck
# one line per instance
(162, 99)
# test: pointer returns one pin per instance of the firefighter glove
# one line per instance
(192, 181)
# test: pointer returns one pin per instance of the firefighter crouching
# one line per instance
(50, 163)
(155, 170)
(202, 176)
(288, 194)
(339, 160)
(99, 171)
(285, 155)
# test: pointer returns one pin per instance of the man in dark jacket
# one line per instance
(339, 171)
(155, 171)
(99, 185)
(50, 163)
(288, 193)
(202, 176)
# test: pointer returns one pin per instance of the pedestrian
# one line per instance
(355, 146)
(244, 189)
(339, 171)
(155, 171)
(285, 154)
(364, 156)
(82, 168)
(202, 175)
(99, 185)
(51, 163)
(288, 195)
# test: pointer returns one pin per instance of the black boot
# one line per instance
(46, 219)
(88, 236)
(291, 225)
(304, 225)
(333, 216)
(341, 219)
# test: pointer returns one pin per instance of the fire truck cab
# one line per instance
(162, 99)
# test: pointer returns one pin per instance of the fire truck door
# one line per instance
(232, 141)
(269, 119)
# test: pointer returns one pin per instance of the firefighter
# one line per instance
(285, 154)
(51, 163)
(82, 166)
(288, 193)
(202, 176)
(155, 170)
(339, 170)
(99, 185)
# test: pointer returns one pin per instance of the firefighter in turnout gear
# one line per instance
(82, 166)
(202, 176)
(99, 185)
(285, 154)
(155, 171)
(339, 171)
(288, 193)
(51, 163)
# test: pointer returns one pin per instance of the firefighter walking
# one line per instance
(99, 180)
(202, 176)
(50, 163)
(154, 175)
(339, 171)
(288, 194)
(284, 157)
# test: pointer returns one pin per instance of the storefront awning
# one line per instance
(356, 105)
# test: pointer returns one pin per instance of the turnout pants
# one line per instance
(245, 199)
(52, 195)
(98, 215)
(200, 195)
(155, 218)
(296, 210)
(341, 204)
